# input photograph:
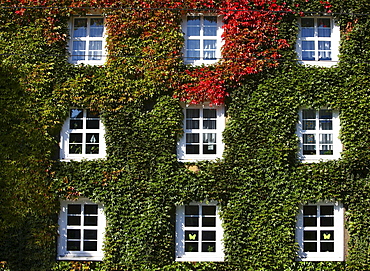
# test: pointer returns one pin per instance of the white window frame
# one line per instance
(202, 38)
(334, 39)
(181, 228)
(336, 143)
(337, 229)
(81, 255)
(66, 134)
(87, 39)
(220, 126)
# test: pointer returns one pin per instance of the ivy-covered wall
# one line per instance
(259, 183)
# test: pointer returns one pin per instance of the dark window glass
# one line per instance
(209, 124)
(74, 220)
(208, 221)
(91, 234)
(75, 138)
(209, 210)
(73, 234)
(74, 209)
(192, 138)
(192, 124)
(209, 113)
(73, 245)
(76, 113)
(191, 236)
(90, 246)
(308, 114)
(191, 246)
(309, 210)
(209, 236)
(310, 247)
(327, 247)
(92, 114)
(191, 210)
(327, 221)
(192, 149)
(209, 149)
(192, 113)
(327, 235)
(327, 210)
(91, 221)
(191, 221)
(208, 247)
(92, 148)
(92, 124)
(92, 138)
(75, 148)
(91, 209)
(75, 124)
(310, 235)
(309, 221)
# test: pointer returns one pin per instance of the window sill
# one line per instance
(78, 159)
(201, 258)
(318, 159)
(79, 258)
(323, 63)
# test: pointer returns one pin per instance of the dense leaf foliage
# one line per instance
(259, 183)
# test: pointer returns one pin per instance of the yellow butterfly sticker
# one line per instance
(192, 236)
(326, 236)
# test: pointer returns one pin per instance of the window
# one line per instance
(82, 136)
(81, 231)
(318, 131)
(87, 41)
(202, 39)
(318, 41)
(198, 233)
(203, 126)
(320, 232)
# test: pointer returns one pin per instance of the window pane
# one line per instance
(309, 246)
(92, 138)
(209, 124)
(73, 245)
(326, 210)
(209, 44)
(326, 246)
(191, 221)
(91, 221)
(193, 55)
(209, 221)
(307, 22)
(74, 209)
(75, 124)
(73, 220)
(308, 45)
(326, 139)
(191, 236)
(327, 221)
(90, 246)
(209, 138)
(192, 113)
(310, 235)
(91, 209)
(193, 26)
(92, 124)
(309, 124)
(308, 114)
(208, 210)
(210, 26)
(309, 139)
(193, 44)
(208, 246)
(79, 50)
(308, 55)
(191, 210)
(209, 54)
(76, 113)
(97, 27)
(92, 114)
(192, 138)
(79, 28)
(309, 210)
(75, 148)
(191, 246)
(73, 234)
(91, 234)
(209, 149)
(209, 113)
(192, 124)
(209, 235)
(309, 149)
(309, 222)
(324, 27)
(192, 149)
(92, 148)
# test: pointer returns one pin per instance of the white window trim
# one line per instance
(63, 254)
(335, 42)
(337, 145)
(103, 39)
(65, 135)
(338, 254)
(181, 255)
(220, 126)
(219, 40)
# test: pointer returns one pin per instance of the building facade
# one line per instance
(201, 135)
